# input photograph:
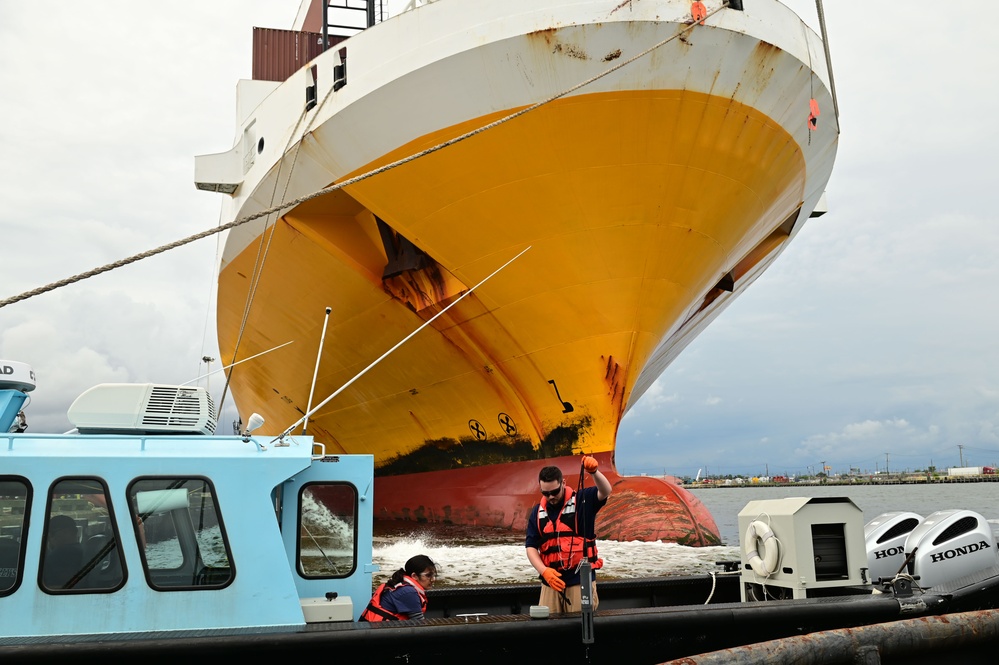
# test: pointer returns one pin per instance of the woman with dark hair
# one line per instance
(404, 595)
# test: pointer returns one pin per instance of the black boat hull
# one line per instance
(462, 629)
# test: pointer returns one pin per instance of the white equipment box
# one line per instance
(819, 545)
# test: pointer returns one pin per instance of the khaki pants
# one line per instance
(557, 604)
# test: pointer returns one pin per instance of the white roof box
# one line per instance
(16, 376)
(143, 408)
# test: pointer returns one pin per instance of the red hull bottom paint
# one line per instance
(502, 495)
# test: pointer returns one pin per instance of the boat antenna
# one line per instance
(282, 435)
(315, 374)
(222, 369)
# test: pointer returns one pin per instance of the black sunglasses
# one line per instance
(551, 493)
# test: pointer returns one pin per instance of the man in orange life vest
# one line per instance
(560, 531)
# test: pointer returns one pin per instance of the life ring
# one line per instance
(759, 535)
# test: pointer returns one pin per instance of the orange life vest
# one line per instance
(562, 548)
(376, 611)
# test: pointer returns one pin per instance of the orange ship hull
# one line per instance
(648, 201)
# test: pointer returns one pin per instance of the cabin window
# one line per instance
(80, 539)
(15, 503)
(327, 531)
(180, 534)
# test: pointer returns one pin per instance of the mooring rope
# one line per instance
(346, 183)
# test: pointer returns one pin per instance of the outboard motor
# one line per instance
(885, 536)
(950, 544)
(16, 381)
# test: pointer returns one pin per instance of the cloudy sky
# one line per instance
(874, 339)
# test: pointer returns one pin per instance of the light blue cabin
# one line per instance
(106, 533)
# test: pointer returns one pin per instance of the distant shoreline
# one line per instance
(946, 480)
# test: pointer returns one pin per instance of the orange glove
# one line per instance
(590, 464)
(553, 579)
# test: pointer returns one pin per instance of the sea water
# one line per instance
(496, 556)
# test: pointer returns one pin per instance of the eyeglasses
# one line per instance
(551, 494)
(429, 576)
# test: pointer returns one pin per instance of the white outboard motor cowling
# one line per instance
(885, 536)
(950, 544)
